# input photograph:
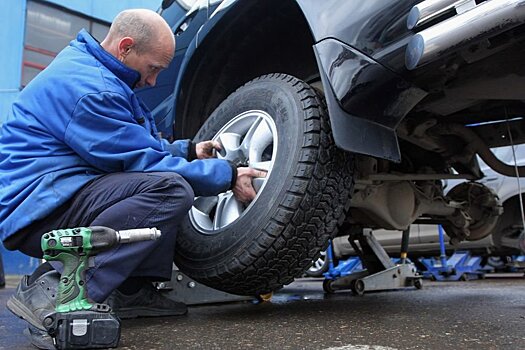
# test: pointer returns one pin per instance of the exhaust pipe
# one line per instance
(486, 20)
(476, 144)
(427, 10)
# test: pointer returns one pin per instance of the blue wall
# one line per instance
(12, 20)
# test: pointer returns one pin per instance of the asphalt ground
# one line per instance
(479, 314)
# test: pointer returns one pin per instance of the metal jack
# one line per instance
(380, 272)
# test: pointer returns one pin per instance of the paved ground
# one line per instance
(485, 314)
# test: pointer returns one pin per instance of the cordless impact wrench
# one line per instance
(79, 323)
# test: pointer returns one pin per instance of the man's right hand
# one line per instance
(243, 190)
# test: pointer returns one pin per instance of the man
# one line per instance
(80, 149)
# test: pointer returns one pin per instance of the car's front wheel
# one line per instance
(276, 123)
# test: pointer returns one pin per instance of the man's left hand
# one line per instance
(205, 149)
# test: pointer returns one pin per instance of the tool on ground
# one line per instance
(79, 323)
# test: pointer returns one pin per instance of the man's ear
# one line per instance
(124, 46)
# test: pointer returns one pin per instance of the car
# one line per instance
(424, 239)
(357, 110)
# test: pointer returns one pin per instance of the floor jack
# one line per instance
(380, 272)
(460, 266)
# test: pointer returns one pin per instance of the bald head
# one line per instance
(142, 40)
(146, 27)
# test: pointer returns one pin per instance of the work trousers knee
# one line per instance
(122, 201)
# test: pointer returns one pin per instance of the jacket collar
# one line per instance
(128, 75)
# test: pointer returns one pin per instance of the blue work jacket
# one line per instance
(79, 119)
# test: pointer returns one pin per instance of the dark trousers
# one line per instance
(121, 201)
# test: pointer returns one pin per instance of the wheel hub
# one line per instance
(249, 139)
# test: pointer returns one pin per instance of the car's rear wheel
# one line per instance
(276, 123)
(510, 225)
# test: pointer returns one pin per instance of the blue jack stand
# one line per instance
(460, 266)
(343, 268)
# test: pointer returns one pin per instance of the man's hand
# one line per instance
(205, 149)
(243, 190)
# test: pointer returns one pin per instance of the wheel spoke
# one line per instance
(228, 210)
(261, 165)
(230, 145)
(257, 139)
(205, 204)
(202, 207)
(245, 146)
(257, 183)
(203, 220)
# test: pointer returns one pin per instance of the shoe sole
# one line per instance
(146, 312)
(20, 310)
(39, 339)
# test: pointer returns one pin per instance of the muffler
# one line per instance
(483, 21)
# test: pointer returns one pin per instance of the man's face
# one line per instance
(150, 63)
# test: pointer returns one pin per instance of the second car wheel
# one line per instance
(275, 123)
(319, 266)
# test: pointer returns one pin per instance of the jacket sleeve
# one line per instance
(178, 148)
(105, 134)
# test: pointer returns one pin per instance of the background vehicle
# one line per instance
(424, 239)
(414, 90)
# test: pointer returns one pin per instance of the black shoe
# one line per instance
(39, 338)
(33, 302)
(147, 302)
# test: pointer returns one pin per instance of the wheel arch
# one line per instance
(243, 31)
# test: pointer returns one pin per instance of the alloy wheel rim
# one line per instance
(249, 139)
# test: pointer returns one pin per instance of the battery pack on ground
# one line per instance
(86, 330)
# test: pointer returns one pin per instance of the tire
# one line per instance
(319, 267)
(358, 287)
(298, 205)
(327, 286)
(507, 232)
